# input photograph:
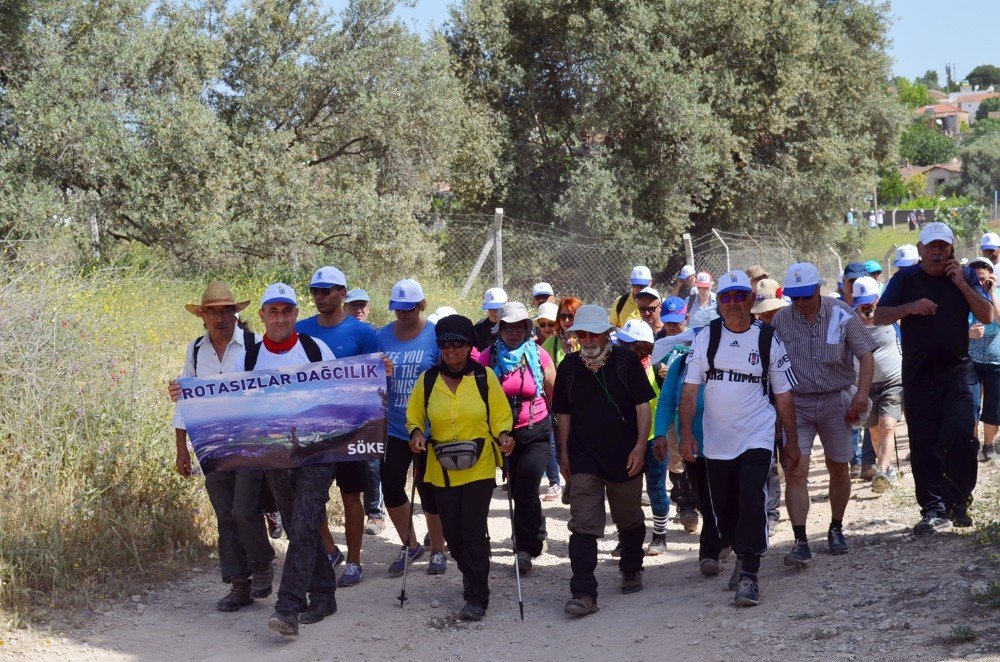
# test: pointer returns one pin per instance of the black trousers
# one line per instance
(464, 511)
(737, 489)
(940, 417)
(527, 466)
(243, 540)
(710, 542)
(393, 467)
(301, 495)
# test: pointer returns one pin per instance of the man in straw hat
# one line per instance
(245, 553)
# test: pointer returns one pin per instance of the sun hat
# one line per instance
(641, 276)
(865, 291)
(442, 311)
(494, 298)
(216, 293)
(734, 281)
(357, 294)
(592, 319)
(873, 267)
(635, 331)
(990, 240)
(756, 271)
(406, 295)
(541, 289)
(906, 256)
(547, 311)
(854, 270)
(980, 262)
(674, 310)
(278, 293)
(703, 279)
(768, 297)
(686, 272)
(455, 327)
(936, 231)
(511, 313)
(650, 292)
(703, 318)
(328, 277)
(802, 279)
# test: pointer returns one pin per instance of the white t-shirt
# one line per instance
(738, 416)
(295, 356)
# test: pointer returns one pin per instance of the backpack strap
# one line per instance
(248, 338)
(620, 304)
(483, 386)
(194, 353)
(250, 358)
(764, 349)
(430, 376)
(312, 350)
(714, 338)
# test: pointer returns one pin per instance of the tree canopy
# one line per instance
(984, 76)
(922, 145)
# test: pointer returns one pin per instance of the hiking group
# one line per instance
(600, 401)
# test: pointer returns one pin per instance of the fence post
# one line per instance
(788, 248)
(498, 245)
(688, 248)
(840, 264)
(889, 257)
(724, 246)
(480, 261)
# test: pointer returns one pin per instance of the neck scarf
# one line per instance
(456, 374)
(596, 363)
(283, 346)
(508, 360)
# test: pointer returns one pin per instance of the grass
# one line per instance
(962, 634)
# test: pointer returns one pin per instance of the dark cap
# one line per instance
(854, 270)
(455, 327)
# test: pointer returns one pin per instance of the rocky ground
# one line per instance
(891, 598)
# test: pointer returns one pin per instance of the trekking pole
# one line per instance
(513, 537)
(409, 533)
(895, 443)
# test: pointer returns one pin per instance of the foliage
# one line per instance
(984, 76)
(891, 187)
(969, 221)
(929, 80)
(922, 145)
(934, 202)
(916, 186)
(981, 167)
(982, 128)
(912, 95)
(962, 634)
(991, 104)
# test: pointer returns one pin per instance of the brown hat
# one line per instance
(756, 271)
(216, 294)
(769, 297)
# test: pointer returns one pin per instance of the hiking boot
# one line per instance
(835, 539)
(632, 582)
(960, 518)
(800, 556)
(438, 564)
(318, 610)
(374, 526)
(709, 567)
(883, 480)
(261, 580)
(580, 605)
(931, 524)
(397, 566)
(616, 553)
(336, 558)
(734, 579)
(471, 612)
(989, 453)
(867, 471)
(855, 471)
(747, 593)
(553, 493)
(689, 519)
(274, 527)
(523, 561)
(657, 546)
(238, 596)
(286, 624)
(353, 574)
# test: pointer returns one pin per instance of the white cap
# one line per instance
(990, 240)
(511, 313)
(541, 289)
(703, 318)
(405, 295)
(865, 291)
(278, 293)
(936, 231)
(494, 298)
(635, 331)
(547, 311)
(442, 311)
(649, 291)
(977, 262)
(703, 279)
(641, 276)
(592, 319)
(328, 277)
(686, 272)
(735, 280)
(801, 280)
(906, 256)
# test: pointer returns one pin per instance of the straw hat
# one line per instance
(216, 294)
(769, 297)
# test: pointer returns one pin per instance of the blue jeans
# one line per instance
(373, 490)
(552, 468)
(864, 450)
(656, 483)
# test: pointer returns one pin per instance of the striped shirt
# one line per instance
(822, 351)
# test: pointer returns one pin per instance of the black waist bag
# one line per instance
(457, 455)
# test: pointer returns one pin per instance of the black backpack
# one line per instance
(247, 341)
(763, 348)
(308, 344)
(620, 304)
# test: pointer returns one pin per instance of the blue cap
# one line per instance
(854, 270)
(674, 310)
(873, 267)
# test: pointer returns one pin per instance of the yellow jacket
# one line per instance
(630, 311)
(461, 416)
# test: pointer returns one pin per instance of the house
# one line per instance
(937, 175)
(945, 117)
(969, 102)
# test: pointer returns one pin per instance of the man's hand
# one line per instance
(636, 459)
(390, 367)
(564, 466)
(953, 270)
(662, 370)
(418, 442)
(688, 447)
(174, 390)
(183, 461)
(660, 448)
(988, 283)
(859, 405)
(793, 455)
(922, 307)
(506, 443)
(977, 331)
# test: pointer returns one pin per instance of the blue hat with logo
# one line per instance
(674, 310)
(854, 270)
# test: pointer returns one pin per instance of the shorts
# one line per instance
(989, 380)
(886, 402)
(823, 414)
(350, 477)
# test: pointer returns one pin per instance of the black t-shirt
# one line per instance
(934, 346)
(603, 428)
(484, 334)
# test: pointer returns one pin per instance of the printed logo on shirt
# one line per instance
(754, 357)
(735, 343)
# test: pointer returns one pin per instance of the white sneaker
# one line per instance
(553, 493)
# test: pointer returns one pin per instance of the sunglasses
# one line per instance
(738, 297)
(452, 344)
(587, 335)
(546, 325)
(323, 291)
(801, 298)
(649, 310)
(567, 316)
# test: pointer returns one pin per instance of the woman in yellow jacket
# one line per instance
(470, 420)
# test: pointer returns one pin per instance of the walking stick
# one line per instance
(409, 533)
(513, 537)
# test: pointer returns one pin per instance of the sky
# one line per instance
(925, 34)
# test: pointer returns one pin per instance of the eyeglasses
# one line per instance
(649, 310)
(546, 325)
(567, 316)
(587, 335)
(738, 297)
(452, 344)
(800, 298)
(213, 311)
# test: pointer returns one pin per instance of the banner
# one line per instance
(284, 418)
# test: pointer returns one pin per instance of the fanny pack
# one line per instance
(457, 455)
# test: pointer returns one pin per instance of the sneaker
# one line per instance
(374, 526)
(709, 567)
(319, 610)
(645, 499)
(724, 553)
(353, 574)
(883, 480)
(734, 579)
(553, 493)
(931, 524)
(471, 612)
(261, 580)
(286, 624)
(835, 539)
(616, 553)
(657, 546)
(632, 582)
(772, 526)
(523, 561)
(867, 471)
(747, 593)
(238, 596)
(689, 520)
(960, 518)
(855, 471)
(800, 556)
(397, 566)
(438, 564)
(274, 527)
(580, 605)
(989, 453)
(337, 558)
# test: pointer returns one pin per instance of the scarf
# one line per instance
(283, 346)
(508, 360)
(598, 361)
(456, 374)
